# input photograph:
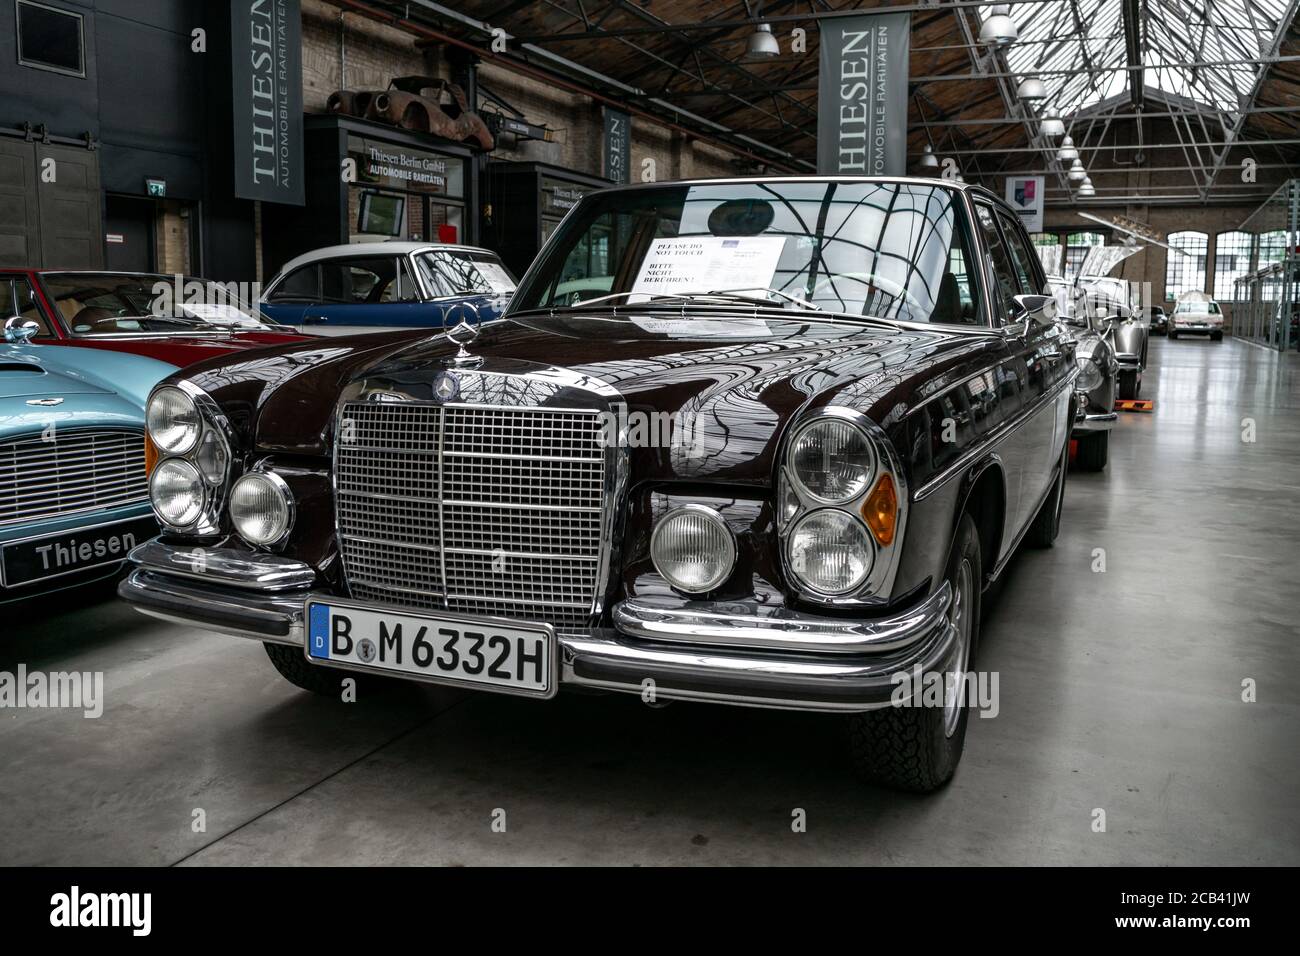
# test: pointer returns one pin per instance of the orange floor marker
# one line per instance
(1134, 405)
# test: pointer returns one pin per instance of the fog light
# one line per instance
(177, 493)
(830, 552)
(261, 508)
(173, 421)
(693, 549)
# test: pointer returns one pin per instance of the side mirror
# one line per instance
(19, 332)
(1034, 308)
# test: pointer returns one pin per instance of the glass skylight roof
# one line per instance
(1088, 35)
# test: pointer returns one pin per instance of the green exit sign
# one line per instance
(157, 188)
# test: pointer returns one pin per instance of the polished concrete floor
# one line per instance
(1120, 691)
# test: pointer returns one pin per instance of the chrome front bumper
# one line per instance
(724, 653)
(1095, 421)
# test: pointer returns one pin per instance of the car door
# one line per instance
(1048, 363)
(1022, 454)
(370, 293)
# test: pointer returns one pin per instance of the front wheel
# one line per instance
(325, 681)
(918, 747)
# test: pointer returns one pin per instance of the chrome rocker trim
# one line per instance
(786, 660)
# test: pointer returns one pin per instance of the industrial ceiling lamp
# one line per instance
(1067, 152)
(1031, 90)
(928, 159)
(1052, 126)
(1086, 189)
(999, 29)
(1077, 173)
(762, 43)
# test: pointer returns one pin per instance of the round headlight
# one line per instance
(832, 460)
(693, 549)
(1089, 374)
(173, 421)
(261, 508)
(212, 458)
(177, 492)
(830, 552)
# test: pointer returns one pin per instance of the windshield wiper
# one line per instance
(723, 294)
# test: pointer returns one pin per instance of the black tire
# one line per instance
(1173, 334)
(1128, 384)
(911, 748)
(1094, 450)
(1216, 337)
(325, 681)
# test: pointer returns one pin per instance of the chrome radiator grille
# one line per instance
(74, 471)
(482, 510)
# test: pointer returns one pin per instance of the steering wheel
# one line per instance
(872, 280)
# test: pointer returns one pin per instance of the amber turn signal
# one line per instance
(151, 455)
(880, 510)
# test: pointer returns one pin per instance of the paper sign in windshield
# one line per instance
(709, 264)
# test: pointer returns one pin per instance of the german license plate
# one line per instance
(486, 653)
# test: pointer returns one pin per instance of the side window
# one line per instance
(336, 282)
(1004, 271)
(407, 290)
(1022, 256)
(301, 285)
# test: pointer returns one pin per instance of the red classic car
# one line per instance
(169, 318)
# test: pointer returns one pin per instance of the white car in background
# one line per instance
(1196, 314)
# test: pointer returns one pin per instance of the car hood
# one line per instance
(42, 386)
(735, 388)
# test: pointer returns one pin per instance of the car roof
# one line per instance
(395, 248)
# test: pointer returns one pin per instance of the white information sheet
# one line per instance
(709, 263)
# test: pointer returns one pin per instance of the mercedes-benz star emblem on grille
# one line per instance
(45, 402)
(446, 386)
(366, 650)
(463, 332)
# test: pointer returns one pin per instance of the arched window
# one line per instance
(1077, 245)
(1231, 261)
(1185, 264)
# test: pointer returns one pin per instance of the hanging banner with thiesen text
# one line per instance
(617, 146)
(266, 89)
(862, 95)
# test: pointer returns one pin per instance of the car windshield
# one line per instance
(874, 249)
(449, 272)
(105, 303)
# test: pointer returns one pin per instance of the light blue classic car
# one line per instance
(74, 495)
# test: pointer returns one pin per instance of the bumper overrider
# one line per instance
(733, 653)
(1086, 421)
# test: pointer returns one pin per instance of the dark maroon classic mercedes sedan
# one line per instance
(773, 457)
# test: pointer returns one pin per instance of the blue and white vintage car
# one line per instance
(382, 286)
(74, 495)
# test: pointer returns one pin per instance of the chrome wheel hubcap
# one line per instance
(959, 616)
